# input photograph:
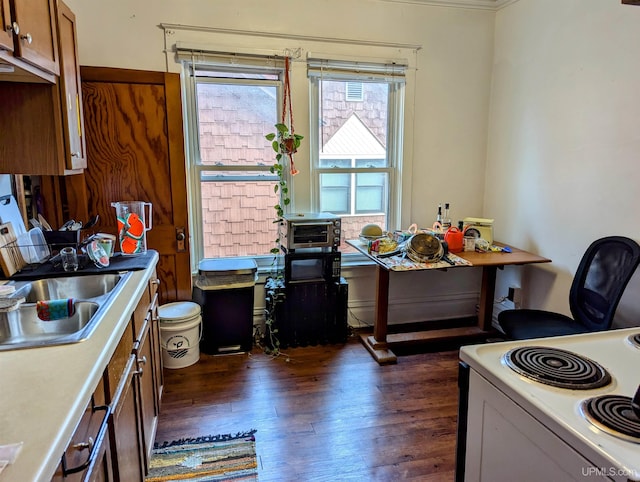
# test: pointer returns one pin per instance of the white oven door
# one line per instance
(505, 443)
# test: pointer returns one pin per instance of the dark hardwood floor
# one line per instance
(329, 413)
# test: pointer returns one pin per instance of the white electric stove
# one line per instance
(550, 409)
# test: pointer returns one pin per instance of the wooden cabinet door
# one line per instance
(135, 152)
(38, 40)
(43, 128)
(70, 101)
(147, 392)
(6, 29)
(157, 350)
(126, 441)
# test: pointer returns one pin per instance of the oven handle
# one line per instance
(315, 223)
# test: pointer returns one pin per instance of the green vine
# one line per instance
(285, 143)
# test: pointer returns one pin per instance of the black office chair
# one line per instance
(603, 274)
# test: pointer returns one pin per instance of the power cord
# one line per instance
(361, 323)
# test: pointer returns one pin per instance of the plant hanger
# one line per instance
(289, 144)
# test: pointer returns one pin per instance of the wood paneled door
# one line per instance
(135, 152)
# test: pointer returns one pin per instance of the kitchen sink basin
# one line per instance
(23, 325)
(21, 328)
(78, 287)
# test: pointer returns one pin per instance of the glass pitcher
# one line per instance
(132, 217)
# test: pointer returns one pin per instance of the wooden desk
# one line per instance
(379, 343)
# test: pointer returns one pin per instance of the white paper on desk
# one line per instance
(10, 213)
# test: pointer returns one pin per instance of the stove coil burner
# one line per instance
(613, 414)
(556, 367)
(635, 340)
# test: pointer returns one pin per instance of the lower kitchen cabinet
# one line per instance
(126, 443)
(147, 348)
(114, 439)
(88, 455)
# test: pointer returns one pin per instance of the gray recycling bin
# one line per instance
(225, 291)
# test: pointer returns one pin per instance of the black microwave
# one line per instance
(312, 266)
(310, 230)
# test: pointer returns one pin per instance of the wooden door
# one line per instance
(135, 152)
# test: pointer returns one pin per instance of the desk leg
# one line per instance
(487, 293)
(377, 344)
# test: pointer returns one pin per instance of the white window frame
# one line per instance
(195, 167)
(322, 69)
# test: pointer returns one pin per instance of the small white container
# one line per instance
(180, 333)
(33, 246)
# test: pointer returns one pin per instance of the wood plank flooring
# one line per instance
(329, 413)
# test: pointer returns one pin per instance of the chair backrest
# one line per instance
(600, 280)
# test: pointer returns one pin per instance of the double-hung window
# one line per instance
(357, 113)
(231, 106)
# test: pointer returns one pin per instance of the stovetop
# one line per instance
(557, 367)
(562, 409)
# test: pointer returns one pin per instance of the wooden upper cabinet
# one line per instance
(42, 124)
(36, 41)
(6, 31)
(71, 101)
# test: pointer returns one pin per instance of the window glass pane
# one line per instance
(371, 114)
(370, 189)
(354, 134)
(233, 120)
(335, 193)
(236, 205)
(237, 218)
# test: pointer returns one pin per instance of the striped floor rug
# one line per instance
(204, 459)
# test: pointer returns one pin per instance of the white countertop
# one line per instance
(44, 391)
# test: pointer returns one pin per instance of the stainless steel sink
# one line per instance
(23, 325)
(92, 294)
(78, 287)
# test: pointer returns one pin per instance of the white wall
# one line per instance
(445, 155)
(563, 162)
(452, 81)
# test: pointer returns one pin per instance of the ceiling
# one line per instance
(477, 4)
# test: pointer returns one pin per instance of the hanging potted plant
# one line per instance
(285, 143)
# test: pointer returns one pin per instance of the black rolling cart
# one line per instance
(308, 306)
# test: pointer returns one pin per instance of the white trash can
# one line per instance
(180, 333)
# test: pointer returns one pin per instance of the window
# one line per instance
(230, 110)
(357, 153)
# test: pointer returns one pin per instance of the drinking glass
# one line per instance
(69, 259)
